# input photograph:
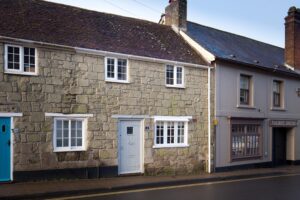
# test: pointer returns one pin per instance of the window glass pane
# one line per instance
(26, 60)
(179, 75)
(170, 75)
(59, 133)
(73, 129)
(159, 133)
(276, 86)
(32, 51)
(244, 82)
(10, 50)
(10, 58)
(59, 124)
(122, 69)
(73, 142)
(59, 142)
(245, 141)
(110, 68)
(79, 124)
(65, 133)
(29, 59)
(244, 96)
(66, 142)
(170, 133)
(13, 58)
(180, 132)
(26, 51)
(10, 65)
(79, 142)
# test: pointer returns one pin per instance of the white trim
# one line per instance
(209, 120)
(11, 114)
(70, 148)
(130, 116)
(209, 57)
(68, 115)
(165, 137)
(107, 53)
(142, 144)
(175, 85)
(20, 71)
(115, 78)
(162, 146)
(172, 118)
(12, 126)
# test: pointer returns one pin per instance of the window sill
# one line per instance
(175, 86)
(116, 81)
(246, 107)
(20, 73)
(68, 150)
(170, 146)
(278, 109)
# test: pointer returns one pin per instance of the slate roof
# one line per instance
(66, 25)
(231, 47)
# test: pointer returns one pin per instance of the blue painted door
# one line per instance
(5, 149)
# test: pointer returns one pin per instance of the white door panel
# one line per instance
(130, 147)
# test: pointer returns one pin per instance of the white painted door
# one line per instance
(130, 147)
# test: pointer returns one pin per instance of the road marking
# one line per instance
(169, 187)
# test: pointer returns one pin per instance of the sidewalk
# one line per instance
(59, 188)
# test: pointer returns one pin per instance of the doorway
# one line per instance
(5, 149)
(130, 147)
(279, 146)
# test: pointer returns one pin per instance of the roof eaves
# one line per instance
(103, 53)
(291, 73)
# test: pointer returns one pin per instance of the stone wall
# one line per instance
(73, 83)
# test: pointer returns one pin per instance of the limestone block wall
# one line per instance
(73, 83)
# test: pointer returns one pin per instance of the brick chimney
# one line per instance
(176, 14)
(292, 38)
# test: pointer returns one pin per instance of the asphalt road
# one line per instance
(273, 188)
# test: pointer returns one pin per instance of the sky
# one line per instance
(262, 20)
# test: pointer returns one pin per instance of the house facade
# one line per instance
(256, 86)
(117, 98)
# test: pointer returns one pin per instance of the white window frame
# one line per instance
(251, 104)
(175, 85)
(175, 120)
(282, 95)
(115, 79)
(21, 70)
(70, 148)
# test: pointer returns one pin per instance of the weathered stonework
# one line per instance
(73, 83)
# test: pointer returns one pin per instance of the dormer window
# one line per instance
(20, 60)
(116, 70)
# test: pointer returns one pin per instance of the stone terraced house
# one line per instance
(85, 94)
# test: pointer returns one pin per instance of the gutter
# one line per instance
(107, 53)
